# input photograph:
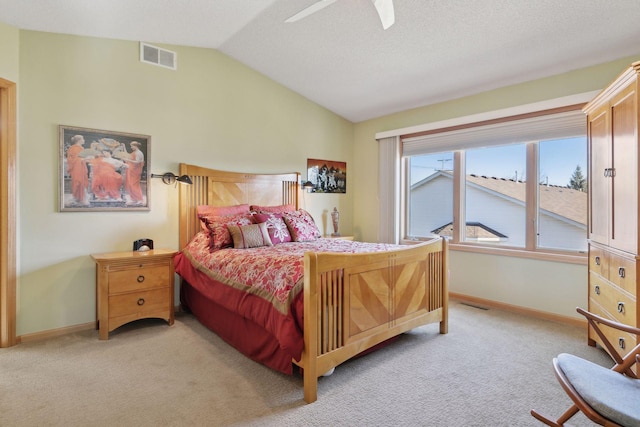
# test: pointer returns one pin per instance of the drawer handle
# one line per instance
(621, 343)
(621, 272)
(621, 307)
(597, 260)
(141, 301)
(140, 278)
(597, 289)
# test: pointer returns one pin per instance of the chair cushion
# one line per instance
(611, 394)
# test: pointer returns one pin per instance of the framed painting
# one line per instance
(101, 170)
(327, 176)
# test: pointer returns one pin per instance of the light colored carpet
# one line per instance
(490, 370)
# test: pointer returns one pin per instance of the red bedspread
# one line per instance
(263, 285)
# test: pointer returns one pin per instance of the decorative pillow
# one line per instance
(217, 225)
(301, 226)
(277, 229)
(249, 236)
(204, 211)
(273, 209)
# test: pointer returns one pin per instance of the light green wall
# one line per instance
(545, 286)
(212, 111)
(216, 113)
(9, 48)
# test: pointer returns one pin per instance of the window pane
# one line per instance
(430, 204)
(562, 190)
(495, 195)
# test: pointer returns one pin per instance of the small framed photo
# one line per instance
(101, 170)
(327, 176)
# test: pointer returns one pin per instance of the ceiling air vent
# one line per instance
(157, 56)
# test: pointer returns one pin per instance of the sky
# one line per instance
(558, 161)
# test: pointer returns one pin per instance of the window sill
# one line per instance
(579, 258)
(566, 257)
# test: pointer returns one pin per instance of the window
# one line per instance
(495, 181)
(431, 195)
(525, 191)
(562, 194)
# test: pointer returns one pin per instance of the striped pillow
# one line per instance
(249, 236)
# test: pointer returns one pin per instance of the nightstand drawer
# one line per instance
(138, 278)
(140, 303)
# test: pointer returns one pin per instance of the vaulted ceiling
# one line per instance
(341, 58)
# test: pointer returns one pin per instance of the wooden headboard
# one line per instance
(222, 188)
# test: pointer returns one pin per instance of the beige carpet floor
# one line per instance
(490, 370)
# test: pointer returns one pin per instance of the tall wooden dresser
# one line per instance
(614, 241)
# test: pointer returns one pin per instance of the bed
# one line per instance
(346, 303)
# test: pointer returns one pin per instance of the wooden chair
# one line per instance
(608, 397)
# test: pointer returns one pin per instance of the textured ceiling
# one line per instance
(341, 58)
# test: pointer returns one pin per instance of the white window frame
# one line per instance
(530, 250)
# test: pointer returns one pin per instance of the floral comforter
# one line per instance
(274, 273)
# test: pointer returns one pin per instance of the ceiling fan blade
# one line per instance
(311, 9)
(385, 11)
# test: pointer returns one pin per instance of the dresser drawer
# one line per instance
(138, 278)
(622, 341)
(618, 304)
(140, 303)
(598, 261)
(622, 272)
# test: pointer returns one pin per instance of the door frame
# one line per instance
(8, 183)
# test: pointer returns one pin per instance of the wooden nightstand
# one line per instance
(132, 286)
(339, 237)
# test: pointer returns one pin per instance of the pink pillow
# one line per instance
(273, 209)
(206, 210)
(217, 225)
(277, 229)
(301, 226)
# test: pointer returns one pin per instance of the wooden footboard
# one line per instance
(353, 302)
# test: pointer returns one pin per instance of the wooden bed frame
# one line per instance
(352, 302)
